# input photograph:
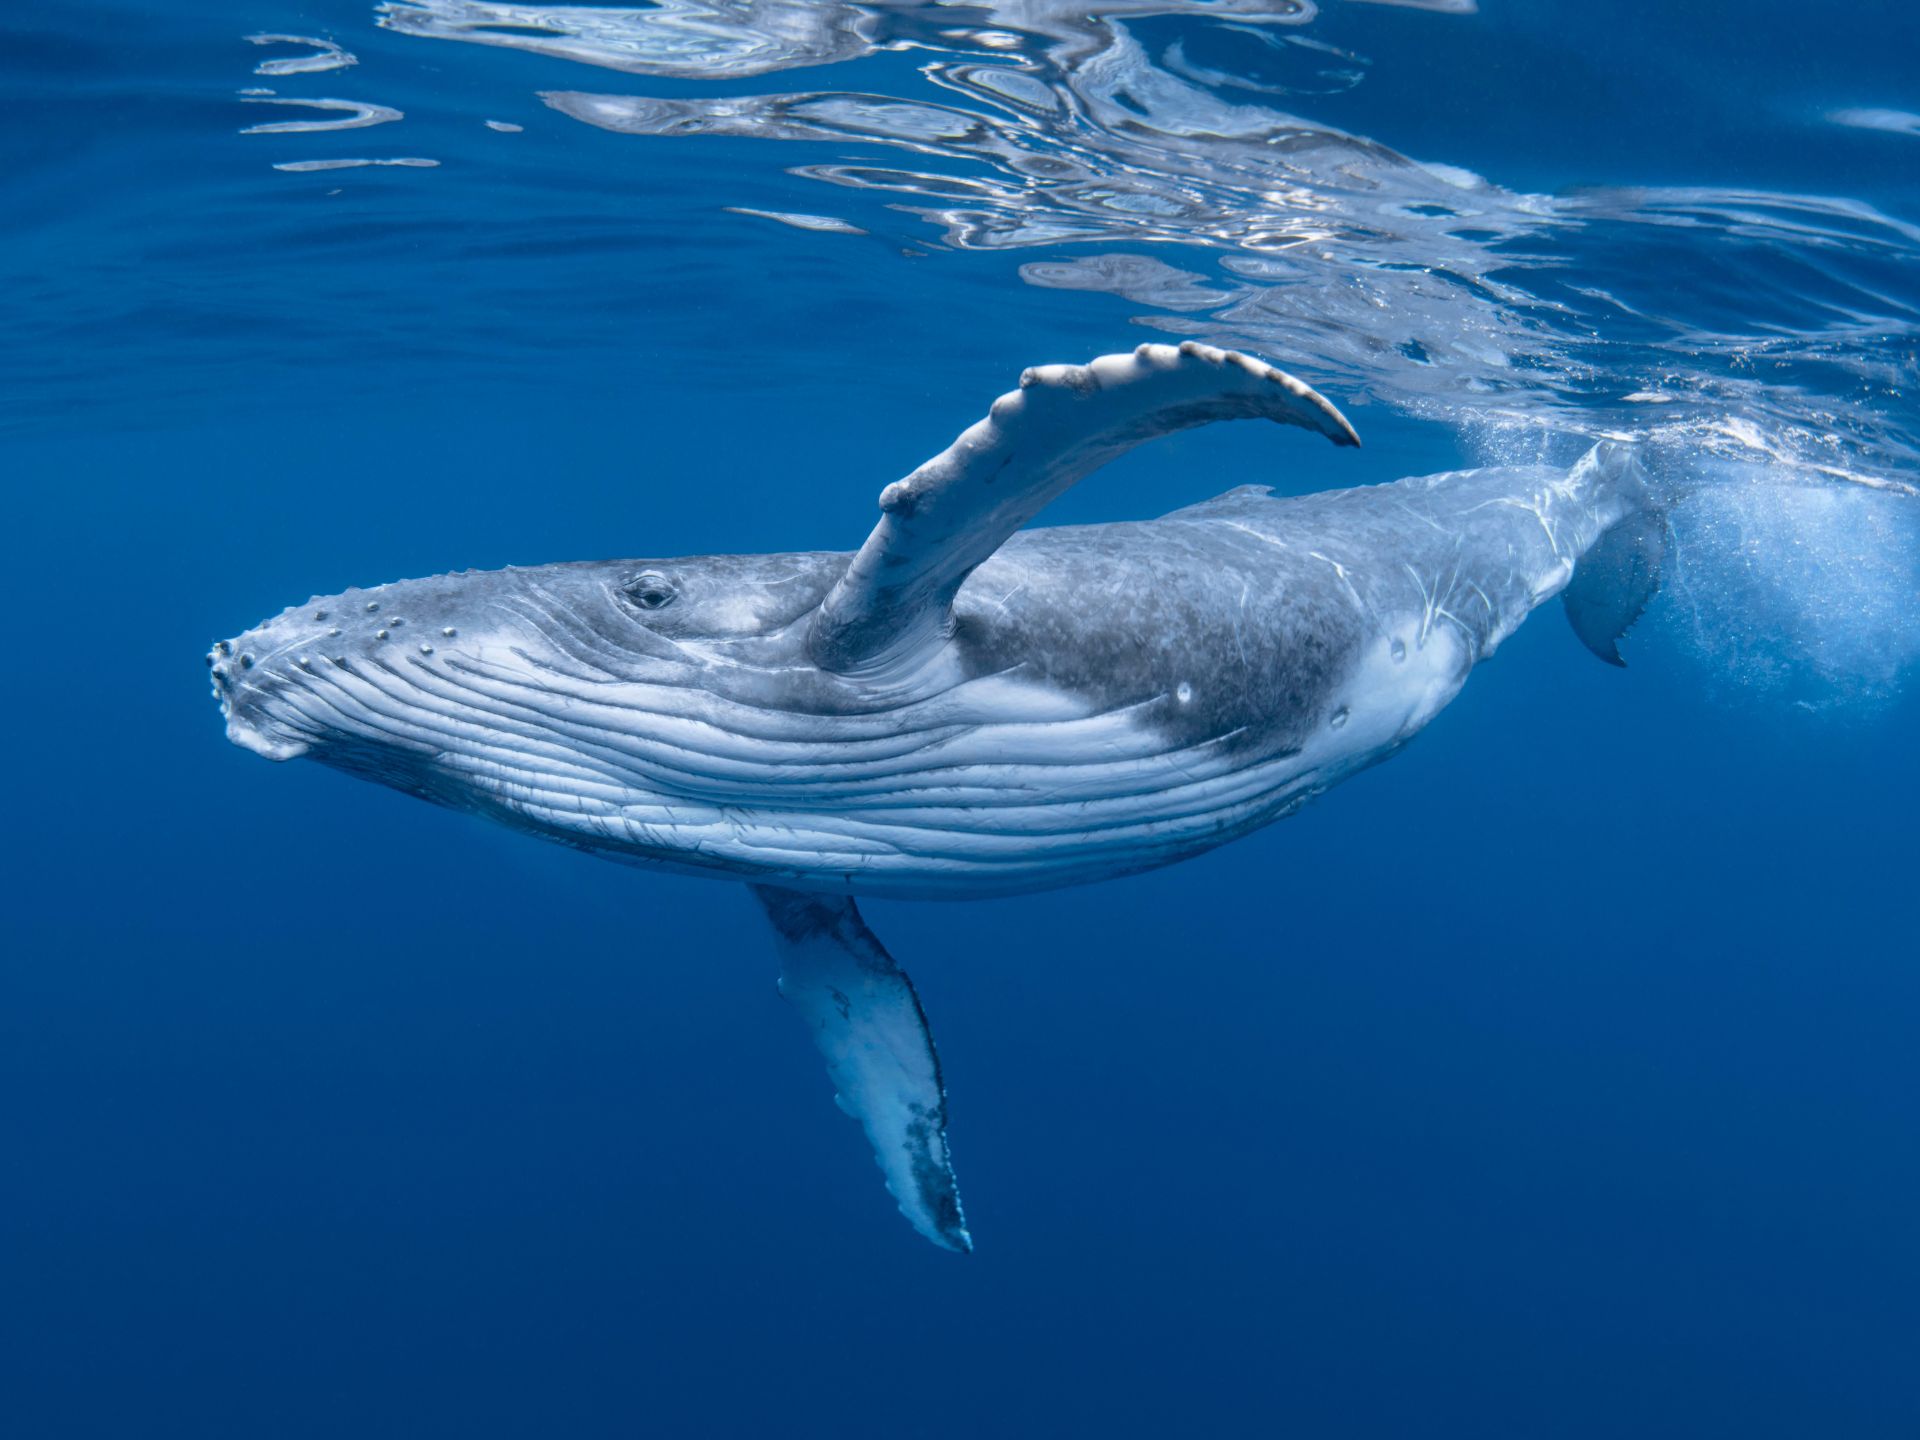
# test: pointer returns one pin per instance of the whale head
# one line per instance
(525, 689)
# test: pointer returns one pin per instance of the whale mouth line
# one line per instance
(248, 735)
(268, 747)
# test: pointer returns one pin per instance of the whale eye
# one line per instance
(650, 590)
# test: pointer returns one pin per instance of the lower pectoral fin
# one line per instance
(866, 1019)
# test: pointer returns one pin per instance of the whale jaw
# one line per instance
(247, 725)
(268, 747)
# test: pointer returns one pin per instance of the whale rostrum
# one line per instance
(962, 707)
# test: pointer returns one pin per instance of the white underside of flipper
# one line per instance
(866, 1020)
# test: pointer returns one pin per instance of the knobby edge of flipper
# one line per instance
(892, 606)
(867, 1022)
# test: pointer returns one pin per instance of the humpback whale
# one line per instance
(963, 706)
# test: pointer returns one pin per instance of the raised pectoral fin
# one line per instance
(1064, 422)
(866, 1020)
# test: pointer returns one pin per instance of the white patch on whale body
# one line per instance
(1399, 685)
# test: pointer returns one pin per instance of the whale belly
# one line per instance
(1006, 787)
(990, 809)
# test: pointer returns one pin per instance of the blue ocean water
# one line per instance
(1555, 1079)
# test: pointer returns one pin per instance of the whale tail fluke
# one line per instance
(1618, 576)
(1779, 575)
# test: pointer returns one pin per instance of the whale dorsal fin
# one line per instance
(1064, 422)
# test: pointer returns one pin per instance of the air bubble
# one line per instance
(1184, 694)
(1801, 593)
(1398, 649)
(1339, 718)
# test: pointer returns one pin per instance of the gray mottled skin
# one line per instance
(958, 710)
(698, 736)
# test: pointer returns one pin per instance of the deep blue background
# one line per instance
(1556, 1079)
